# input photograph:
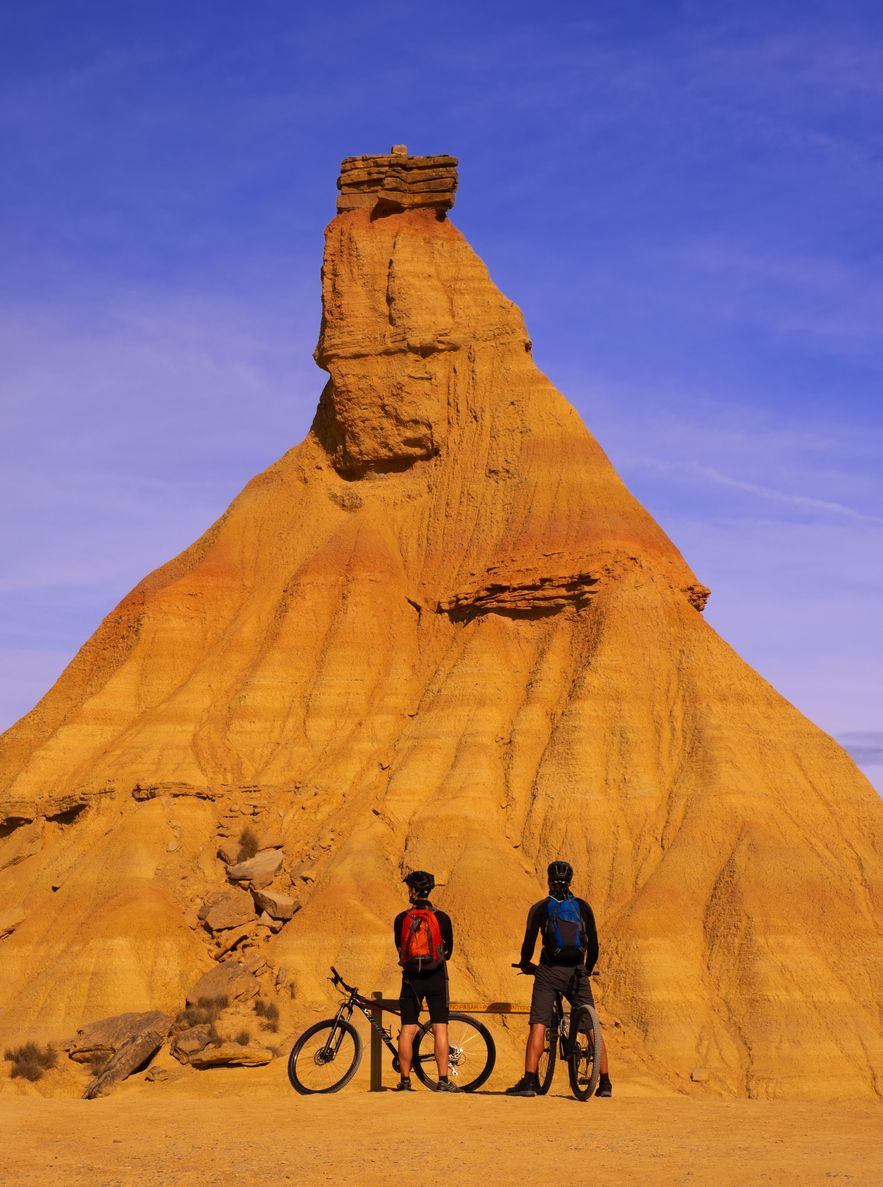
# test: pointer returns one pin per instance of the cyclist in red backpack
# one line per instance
(424, 938)
(570, 951)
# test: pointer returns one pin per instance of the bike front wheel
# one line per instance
(471, 1053)
(325, 1057)
(584, 1060)
(546, 1066)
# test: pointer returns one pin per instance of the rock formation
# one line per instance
(441, 633)
(397, 182)
(116, 1047)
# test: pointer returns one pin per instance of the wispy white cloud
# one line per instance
(766, 493)
(25, 675)
(835, 301)
(796, 575)
(129, 425)
(827, 59)
(120, 382)
(865, 746)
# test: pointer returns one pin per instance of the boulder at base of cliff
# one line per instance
(100, 1040)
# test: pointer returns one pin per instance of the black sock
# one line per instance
(443, 1079)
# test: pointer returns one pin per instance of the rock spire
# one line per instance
(440, 633)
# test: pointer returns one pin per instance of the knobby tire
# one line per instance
(472, 1053)
(546, 1066)
(584, 1061)
(307, 1076)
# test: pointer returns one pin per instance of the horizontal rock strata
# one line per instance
(396, 182)
(527, 597)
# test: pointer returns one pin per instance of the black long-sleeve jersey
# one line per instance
(536, 920)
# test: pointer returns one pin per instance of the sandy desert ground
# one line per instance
(247, 1127)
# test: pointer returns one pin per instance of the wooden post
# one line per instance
(376, 1045)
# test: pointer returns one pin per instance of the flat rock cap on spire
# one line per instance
(397, 181)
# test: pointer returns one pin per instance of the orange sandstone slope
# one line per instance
(441, 633)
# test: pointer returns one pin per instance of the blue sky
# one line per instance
(683, 198)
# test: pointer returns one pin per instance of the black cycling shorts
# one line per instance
(429, 987)
(557, 978)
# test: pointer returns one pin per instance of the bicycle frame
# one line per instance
(471, 1051)
(559, 1031)
(367, 1006)
(561, 1041)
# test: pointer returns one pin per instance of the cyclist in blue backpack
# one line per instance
(570, 951)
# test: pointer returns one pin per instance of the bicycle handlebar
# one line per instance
(529, 972)
(338, 980)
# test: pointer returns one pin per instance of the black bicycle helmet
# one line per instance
(559, 873)
(420, 881)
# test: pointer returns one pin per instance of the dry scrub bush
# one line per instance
(269, 1011)
(30, 1061)
(243, 1038)
(207, 1009)
(248, 845)
(214, 1004)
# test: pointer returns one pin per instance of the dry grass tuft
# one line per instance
(248, 844)
(207, 1009)
(269, 1011)
(30, 1061)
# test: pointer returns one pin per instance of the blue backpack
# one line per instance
(564, 936)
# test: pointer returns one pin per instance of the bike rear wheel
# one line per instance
(471, 1054)
(584, 1060)
(546, 1066)
(325, 1057)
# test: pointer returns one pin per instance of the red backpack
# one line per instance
(421, 947)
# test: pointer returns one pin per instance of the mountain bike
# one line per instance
(327, 1055)
(577, 1039)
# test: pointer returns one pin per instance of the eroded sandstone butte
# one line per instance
(441, 633)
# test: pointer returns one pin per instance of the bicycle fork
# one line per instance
(335, 1036)
(563, 1037)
